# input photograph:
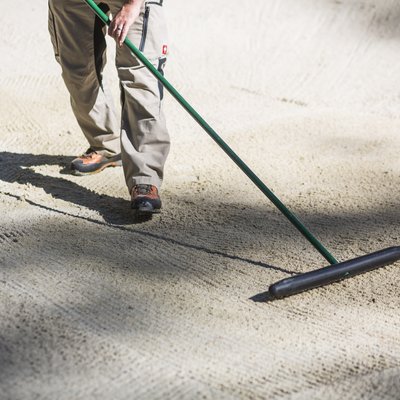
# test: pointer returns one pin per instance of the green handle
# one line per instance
(224, 146)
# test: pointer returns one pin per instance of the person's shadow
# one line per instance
(16, 167)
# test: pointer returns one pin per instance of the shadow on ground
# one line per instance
(17, 168)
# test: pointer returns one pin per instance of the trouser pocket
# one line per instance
(154, 36)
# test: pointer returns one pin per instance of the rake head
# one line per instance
(334, 273)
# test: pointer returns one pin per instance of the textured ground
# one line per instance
(96, 306)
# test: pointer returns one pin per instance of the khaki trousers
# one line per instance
(78, 38)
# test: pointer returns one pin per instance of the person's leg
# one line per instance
(79, 46)
(144, 136)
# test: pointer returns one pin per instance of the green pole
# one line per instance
(224, 146)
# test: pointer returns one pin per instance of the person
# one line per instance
(140, 143)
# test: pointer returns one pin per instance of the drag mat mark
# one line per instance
(256, 382)
(73, 321)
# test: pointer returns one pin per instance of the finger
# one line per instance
(115, 29)
(118, 33)
(123, 35)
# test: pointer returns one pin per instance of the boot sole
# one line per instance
(144, 212)
(96, 171)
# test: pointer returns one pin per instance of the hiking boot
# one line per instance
(145, 199)
(92, 162)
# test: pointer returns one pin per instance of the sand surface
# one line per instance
(96, 306)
